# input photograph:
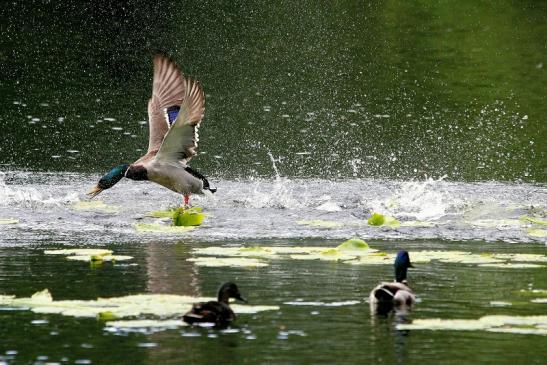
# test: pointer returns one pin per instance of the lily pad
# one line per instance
(160, 305)
(521, 257)
(9, 221)
(169, 213)
(227, 261)
(320, 223)
(95, 206)
(89, 254)
(378, 220)
(80, 252)
(100, 258)
(533, 220)
(497, 303)
(188, 217)
(495, 323)
(509, 265)
(537, 232)
(353, 244)
(162, 228)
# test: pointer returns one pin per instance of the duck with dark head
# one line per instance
(175, 111)
(217, 312)
(396, 296)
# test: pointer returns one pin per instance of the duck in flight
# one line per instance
(175, 111)
(397, 295)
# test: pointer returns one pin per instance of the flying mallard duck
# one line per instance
(175, 111)
(395, 295)
(217, 312)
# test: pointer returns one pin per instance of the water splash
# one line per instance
(276, 194)
(421, 200)
(28, 196)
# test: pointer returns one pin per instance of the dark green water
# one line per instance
(368, 89)
(344, 334)
(357, 103)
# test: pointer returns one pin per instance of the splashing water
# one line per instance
(425, 200)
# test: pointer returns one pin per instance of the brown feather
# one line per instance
(168, 89)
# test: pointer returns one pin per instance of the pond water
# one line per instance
(317, 116)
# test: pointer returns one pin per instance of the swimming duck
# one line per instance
(395, 295)
(217, 312)
(175, 111)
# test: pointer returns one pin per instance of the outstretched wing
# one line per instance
(168, 90)
(181, 140)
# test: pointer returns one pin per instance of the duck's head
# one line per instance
(109, 180)
(402, 263)
(229, 290)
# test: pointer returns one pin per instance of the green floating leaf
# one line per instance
(227, 261)
(89, 254)
(9, 221)
(320, 223)
(169, 213)
(496, 323)
(100, 258)
(188, 217)
(353, 244)
(496, 223)
(161, 305)
(378, 220)
(537, 232)
(533, 220)
(95, 206)
(495, 303)
(521, 257)
(509, 265)
(161, 228)
(80, 252)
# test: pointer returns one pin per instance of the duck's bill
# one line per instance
(239, 297)
(94, 192)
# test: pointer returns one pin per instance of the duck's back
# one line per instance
(211, 312)
(391, 295)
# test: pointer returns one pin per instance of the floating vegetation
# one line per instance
(160, 305)
(537, 232)
(227, 261)
(496, 223)
(89, 254)
(320, 223)
(346, 251)
(533, 220)
(536, 325)
(95, 206)
(378, 220)
(357, 252)
(162, 228)
(188, 217)
(510, 265)
(9, 221)
(181, 216)
(497, 303)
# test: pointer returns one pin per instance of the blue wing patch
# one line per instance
(172, 113)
